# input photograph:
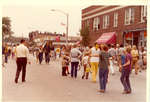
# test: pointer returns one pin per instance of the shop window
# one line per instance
(143, 13)
(129, 16)
(96, 23)
(115, 19)
(105, 21)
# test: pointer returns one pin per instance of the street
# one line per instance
(44, 83)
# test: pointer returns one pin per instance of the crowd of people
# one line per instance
(99, 57)
(107, 59)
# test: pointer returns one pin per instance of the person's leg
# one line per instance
(64, 71)
(19, 66)
(136, 68)
(76, 68)
(93, 71)
(96, 70)
(105, 78)
(39, 59)
(6, 58)
(84, 71)
(24, 63)
(45, 58)
(128, 81)
(122, 78)
(72, 68)
(48, 58)
(101, 79)
(87, 75)
(67, 71)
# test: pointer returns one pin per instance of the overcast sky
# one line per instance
(29, 15)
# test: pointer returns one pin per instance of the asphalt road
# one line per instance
(44, 83)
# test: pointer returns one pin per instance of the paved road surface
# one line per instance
(44, 83)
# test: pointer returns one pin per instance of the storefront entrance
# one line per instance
(137, 38)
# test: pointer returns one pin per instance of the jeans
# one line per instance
(40, 57)
(74, 66)
(6, 58)
(125, 79)
(64, 71)
(103, 75)
(47, 57)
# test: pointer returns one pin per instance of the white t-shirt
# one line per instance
(94, 52)
(85, 59)
(74, 55)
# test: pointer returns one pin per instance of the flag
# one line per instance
(63, 24)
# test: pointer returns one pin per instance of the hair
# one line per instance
(112, 45)
(128, 50)
(109, 45)
(102, 47)
(95, 43)
(121, 45)
(22, 41)
(105, 48)
(90, 47)
(134, 47)
(74, 46)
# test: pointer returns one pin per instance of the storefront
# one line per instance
(136, 37)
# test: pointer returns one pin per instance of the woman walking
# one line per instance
(126, 69)
(103, 67)
(40, 55)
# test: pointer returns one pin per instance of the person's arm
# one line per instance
(80, 54)
(127, 63)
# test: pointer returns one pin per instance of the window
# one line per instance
(96, 23)
(105, 21)
(115, 19)
(87, 23)
(143, 13)
(129, 16)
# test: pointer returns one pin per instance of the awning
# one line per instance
(107, 38)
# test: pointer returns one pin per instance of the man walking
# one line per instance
(75, 55)
(47, 52)
(22, 54)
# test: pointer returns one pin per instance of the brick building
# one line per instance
(128, 22)
(58, 39)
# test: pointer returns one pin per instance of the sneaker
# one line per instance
(23, 81)
(128, 92)
(124, 92)
(102, 91)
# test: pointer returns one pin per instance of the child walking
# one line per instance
(65, 60)
(86, 66)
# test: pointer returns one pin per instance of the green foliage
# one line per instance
(85, 36)
(6, 26)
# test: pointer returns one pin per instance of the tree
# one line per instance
(85, 36)
(6, 26)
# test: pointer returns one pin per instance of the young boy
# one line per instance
(65, 60)
(86, 66)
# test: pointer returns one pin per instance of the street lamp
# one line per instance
(67, 15)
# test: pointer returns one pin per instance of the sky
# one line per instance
(30, 15)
